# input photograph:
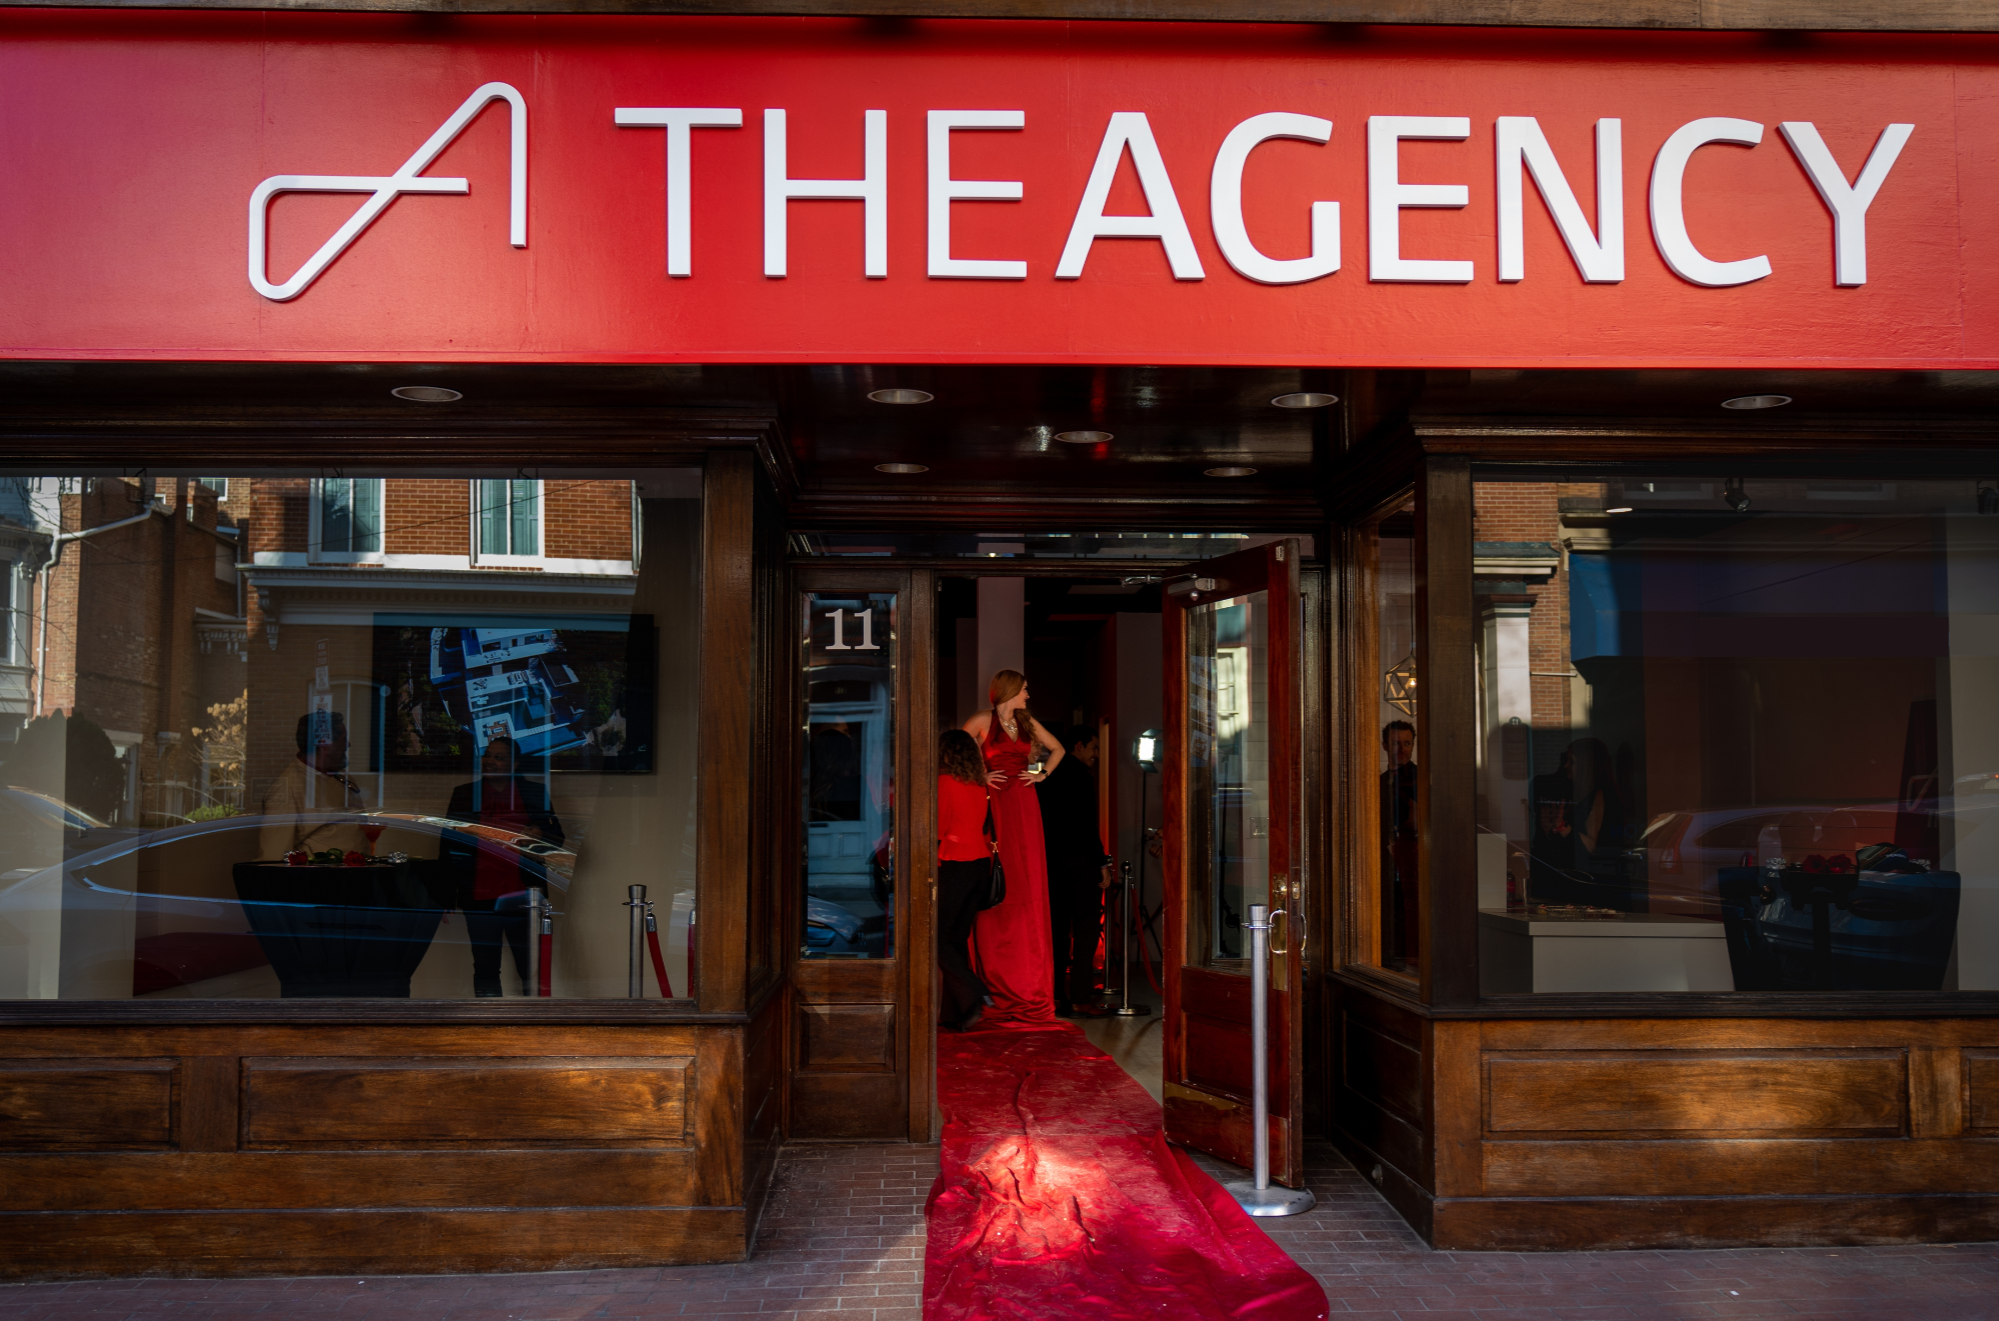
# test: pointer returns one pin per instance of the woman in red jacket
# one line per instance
(964, 873)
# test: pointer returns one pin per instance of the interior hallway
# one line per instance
(1133, 1042)
(843, 1241)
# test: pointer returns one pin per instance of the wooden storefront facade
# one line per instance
(253, 1135)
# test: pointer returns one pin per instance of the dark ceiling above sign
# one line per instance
(989, 438)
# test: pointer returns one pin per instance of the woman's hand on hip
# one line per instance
(995, 779)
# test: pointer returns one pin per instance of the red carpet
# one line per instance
(1059, 1198)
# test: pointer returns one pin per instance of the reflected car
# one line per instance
(38, 830)
(1684, 853)
(173, 907)
(833, 930)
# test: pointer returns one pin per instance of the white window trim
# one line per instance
(14, 626)
(481, 560)
(315, 555)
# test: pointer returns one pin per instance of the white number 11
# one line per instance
(866, 619)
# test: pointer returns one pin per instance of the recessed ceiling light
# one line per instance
(901, 469)
(426, 394)
(1084, 437)
(901, 396)
(1621, 509)
(1757, 401)
(1306, 399)
(1230, 472)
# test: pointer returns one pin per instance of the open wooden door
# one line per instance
(1231, 778)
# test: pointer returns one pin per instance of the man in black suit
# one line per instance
(493, 883)
(1078, 873)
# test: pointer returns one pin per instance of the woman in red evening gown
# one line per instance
(1011, 944)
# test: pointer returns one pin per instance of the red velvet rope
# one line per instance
(659, 965)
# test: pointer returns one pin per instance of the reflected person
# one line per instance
(313, 787)
(1399, 942)
(494, 880)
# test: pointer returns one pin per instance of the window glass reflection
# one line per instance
(1737, 734)
(1388, 712)
(288, 736)
(1228, 766)
(849, 780)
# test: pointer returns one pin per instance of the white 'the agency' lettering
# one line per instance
(386, 189)
(677, 120)
(871, 190)
(1225, 203)
(944, 190)
(1387, 195)
(1130, 129)
(1669, 217)
(1847, 204)
(1599, 256)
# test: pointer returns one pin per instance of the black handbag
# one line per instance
(996, 887)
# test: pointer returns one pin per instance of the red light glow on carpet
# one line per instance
(1059, 1199)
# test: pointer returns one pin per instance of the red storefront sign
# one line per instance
(350, 187)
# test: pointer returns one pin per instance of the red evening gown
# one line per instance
(1012, 947)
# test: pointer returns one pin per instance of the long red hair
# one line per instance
(1006, 685)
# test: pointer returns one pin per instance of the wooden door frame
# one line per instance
(907, 976)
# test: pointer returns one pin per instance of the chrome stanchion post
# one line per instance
(636, 901)
(1258, 1197)
(1124, 940)
(537, 904)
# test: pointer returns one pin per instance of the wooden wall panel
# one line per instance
(348, 1180)
(87, 1104)
(242, 1150)
(1981, 1091)
(1699, 1093)
(847, 1037)
(1542, 1224)
(851, 1106)
(485, 1103)
(1719, 1167)
(1614, 1133)
(375, 1242)
(1386, 1069)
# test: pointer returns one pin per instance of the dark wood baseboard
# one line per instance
(48, 1246)
(1411, 1200)
(1523, 1224)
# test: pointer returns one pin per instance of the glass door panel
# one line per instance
(1228, 770)
(849, 775)
(1232, 773)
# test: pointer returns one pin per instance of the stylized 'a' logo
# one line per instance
(386, 188)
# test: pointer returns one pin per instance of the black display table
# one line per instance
(341, 931)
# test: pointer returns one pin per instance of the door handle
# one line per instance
(1280, 894)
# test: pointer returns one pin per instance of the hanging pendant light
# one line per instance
(1399, 685)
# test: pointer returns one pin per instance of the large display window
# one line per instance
(285, 735)
(1736, 734)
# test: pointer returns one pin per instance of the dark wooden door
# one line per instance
(1232, 775)
(860, 941)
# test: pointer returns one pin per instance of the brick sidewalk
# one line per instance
(844, 1239)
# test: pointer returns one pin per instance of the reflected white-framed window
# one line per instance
(506, 521)
(14, 623)
(346, 524)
